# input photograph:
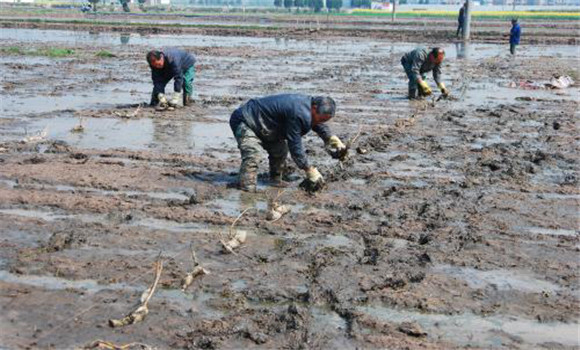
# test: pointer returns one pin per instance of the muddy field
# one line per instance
(458, 228)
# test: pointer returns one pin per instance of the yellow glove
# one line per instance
(443, 89)
(313, 175)
(335, 142)
(161, 98)
(339, 150)
(425, 89)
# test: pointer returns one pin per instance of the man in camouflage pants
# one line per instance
(277, 123)
(420, 61)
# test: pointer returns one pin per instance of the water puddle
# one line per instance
(36, 214)
(56, 283)
(116, 218)
(469, 329)
(171, 226)
(124, 93)
(171, 194)
(547, 231)
(502, 280)
(135, 134)
(236, 202)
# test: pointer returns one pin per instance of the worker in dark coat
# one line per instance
(277, 123)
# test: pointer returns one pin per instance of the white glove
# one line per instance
(161, 98)
(175, 98)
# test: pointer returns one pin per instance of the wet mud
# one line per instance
(457, 227)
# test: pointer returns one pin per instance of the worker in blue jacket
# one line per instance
(171, 63)
(277, 124)
(515, 35)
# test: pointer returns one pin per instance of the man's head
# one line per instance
(322, 109)
(514, 21)
(436, 55)
(156, 59)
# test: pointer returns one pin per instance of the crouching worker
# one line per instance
(176, 64)
(277, 123)
(420, 61)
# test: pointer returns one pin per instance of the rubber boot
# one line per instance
(187, 101)
(248, 180)
(412, 94)
(277, 167)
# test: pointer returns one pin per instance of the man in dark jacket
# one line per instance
(277, 123)
(515, 33)
(171, 63)
(461, 20)
(420, 61)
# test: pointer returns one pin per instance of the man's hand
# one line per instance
(313, 182)
(339, 149)
(161, 98)
(425, 89)
(443, 89)
(313, 175)
(175, 98)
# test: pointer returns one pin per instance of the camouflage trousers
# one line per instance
(250, 146)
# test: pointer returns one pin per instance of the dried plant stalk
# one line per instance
(139, 314)
(196, 271)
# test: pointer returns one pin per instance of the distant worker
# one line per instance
(515, 33)
(171, 63)
(277, 123)
(461, 20)
(420, 61)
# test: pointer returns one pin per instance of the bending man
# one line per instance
(277, 123)
(420, 61)
(176, 64)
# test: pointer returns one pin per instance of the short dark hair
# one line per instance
(324, 105)
(436, 51)
(154, 55)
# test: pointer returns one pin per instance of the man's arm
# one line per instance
(437, 74)
(294, 139)
(159, 83)
(323, 132)
(177, 74)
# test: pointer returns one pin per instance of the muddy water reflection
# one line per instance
(469, 329)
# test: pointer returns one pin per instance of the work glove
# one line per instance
(443, 89)
(161, 98)
(313, 182)
(313, 175)
(335, 142)
(425, 89)
(175, 98)
(339, 151)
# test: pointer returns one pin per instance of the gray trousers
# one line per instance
(513, 49)
(250, 146)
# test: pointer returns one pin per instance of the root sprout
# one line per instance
(235, 238)
(139, 314)
(196, 271)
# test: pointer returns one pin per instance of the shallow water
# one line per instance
(503, 280)
(469, 329)
(134, 134)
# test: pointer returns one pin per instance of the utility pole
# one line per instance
(394, 10)
(467, 24)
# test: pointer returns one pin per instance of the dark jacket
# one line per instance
(461, 17)
(177, 62)
(281, 117)
(417, 61)
(515, 34)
